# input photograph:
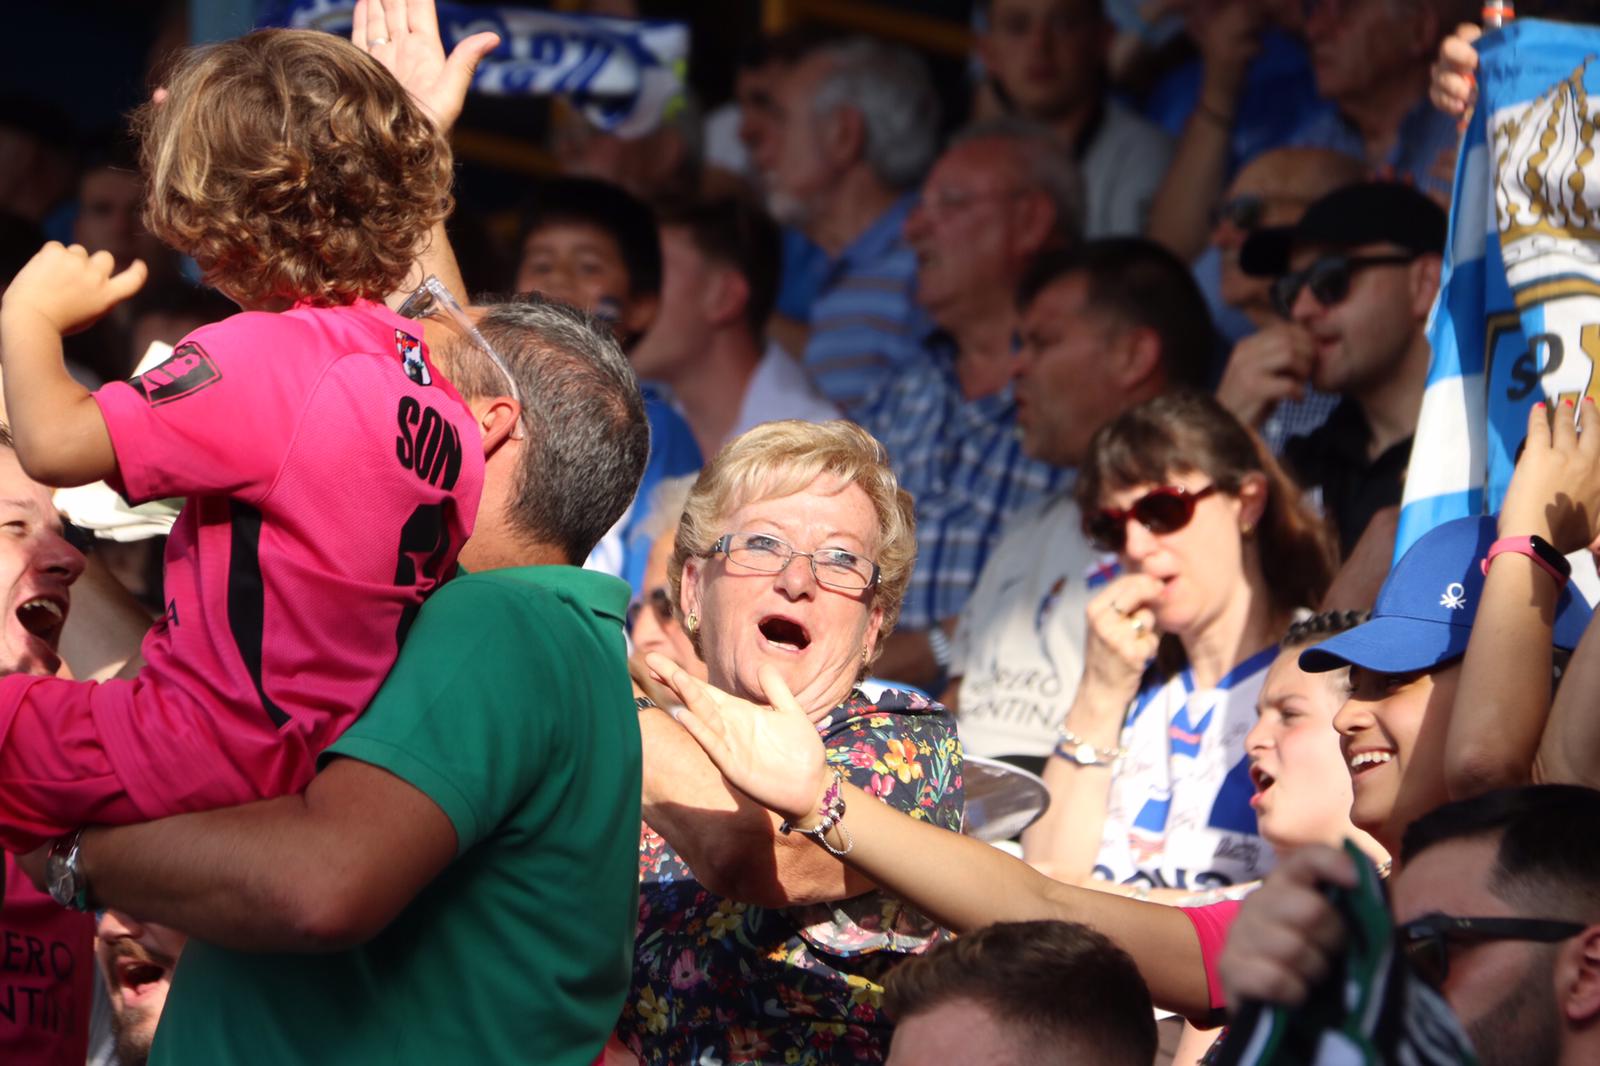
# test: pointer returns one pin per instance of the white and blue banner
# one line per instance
(1518, 315)
(624, 75)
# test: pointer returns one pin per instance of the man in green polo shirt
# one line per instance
(459, 881)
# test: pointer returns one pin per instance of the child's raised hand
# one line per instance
(70, 288)
(403, 35)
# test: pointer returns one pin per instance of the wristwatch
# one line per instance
(63, 872)
(1541, 551)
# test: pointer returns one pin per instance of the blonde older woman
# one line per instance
(755, 945)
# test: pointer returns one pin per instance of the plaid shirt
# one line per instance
(962, 462)
(865, 322)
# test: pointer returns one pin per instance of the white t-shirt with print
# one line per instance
(1179, 813)
(1018, 645)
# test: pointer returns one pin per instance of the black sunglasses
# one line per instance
(660, 604)
(1164, 510)
(1426, 940)
(1248, 211)
(1328, 278)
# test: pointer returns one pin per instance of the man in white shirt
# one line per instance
(719, 281)
(1103, 329)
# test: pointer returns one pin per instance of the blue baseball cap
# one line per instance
(1426, 606)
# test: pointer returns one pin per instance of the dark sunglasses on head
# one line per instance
(1164, 510)
(660, 604)
(1426, 940)
(1328, 279)
(1248, 211)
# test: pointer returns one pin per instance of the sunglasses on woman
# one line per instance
(1164, 510)
(1328, 279)
(1426, 940)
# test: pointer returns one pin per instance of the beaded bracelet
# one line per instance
(832, 813)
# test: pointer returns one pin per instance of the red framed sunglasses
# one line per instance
(1164, 510)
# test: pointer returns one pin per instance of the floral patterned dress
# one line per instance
(718, 982)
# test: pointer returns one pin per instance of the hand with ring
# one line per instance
(1121, 638)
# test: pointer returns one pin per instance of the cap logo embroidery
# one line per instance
(1455, 596)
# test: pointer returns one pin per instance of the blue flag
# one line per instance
(1518, 315)
(625, 75)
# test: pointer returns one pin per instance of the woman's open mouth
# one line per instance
(785, 634)
(43, 617)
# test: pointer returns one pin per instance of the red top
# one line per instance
(332, 477)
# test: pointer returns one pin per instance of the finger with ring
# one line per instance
(1138, 626)
(376, 41)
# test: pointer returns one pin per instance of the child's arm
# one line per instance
(61, 438)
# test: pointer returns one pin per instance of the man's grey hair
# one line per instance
(892, 89)
(1047, 166)
(587, 437)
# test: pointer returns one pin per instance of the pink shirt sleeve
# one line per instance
(216, 418)
(1211, 924)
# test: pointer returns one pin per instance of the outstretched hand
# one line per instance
(71, 289)
(403, 35)
(1555, 489)
(772, 754)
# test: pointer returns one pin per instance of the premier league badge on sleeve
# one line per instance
(410, 349)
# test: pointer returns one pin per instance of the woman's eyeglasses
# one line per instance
(1328, 279)
(765, 554)
(660, 603)
(1164, 510)
(1426, 940)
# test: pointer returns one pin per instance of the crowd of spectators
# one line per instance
(763, 468)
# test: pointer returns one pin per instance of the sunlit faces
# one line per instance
(1302, 786)
(1062, 366)
(971, 228)
(37, 569)
(790, 153)
(816, 636)
(1379, 727)
(1359, 341)
(1201, 566)
(1504, 991)
(1048, 55)
(582, 265)
(136, 959)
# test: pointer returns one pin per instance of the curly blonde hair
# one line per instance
(781, 458)
(292, 166)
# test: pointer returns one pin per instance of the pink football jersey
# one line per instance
(332, 476)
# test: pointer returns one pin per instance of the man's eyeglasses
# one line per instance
(660, 603)
(942, 203)
(1249, 211)
(1164, 510)
(763, 553)
(1328, 279)
(1426, 940)
(434, 300)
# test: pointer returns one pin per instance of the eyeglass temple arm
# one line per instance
(436, 259)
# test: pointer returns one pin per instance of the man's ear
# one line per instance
(1137, 356)
(727, 297)
(1424, 284)
(844, 135)
(499, 420)
(1577, 977)
(1035, 214)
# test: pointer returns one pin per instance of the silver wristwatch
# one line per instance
(63, 872)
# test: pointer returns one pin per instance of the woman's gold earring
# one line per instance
(1247, 529)
(691, 621)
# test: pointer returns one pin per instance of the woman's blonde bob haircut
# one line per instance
(293, 167)
(782, 458)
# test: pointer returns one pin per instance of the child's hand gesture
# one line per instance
(71, 289)
(403, 35)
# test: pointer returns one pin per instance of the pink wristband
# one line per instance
(1524, 546)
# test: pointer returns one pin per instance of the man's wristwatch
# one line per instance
(63, 872)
